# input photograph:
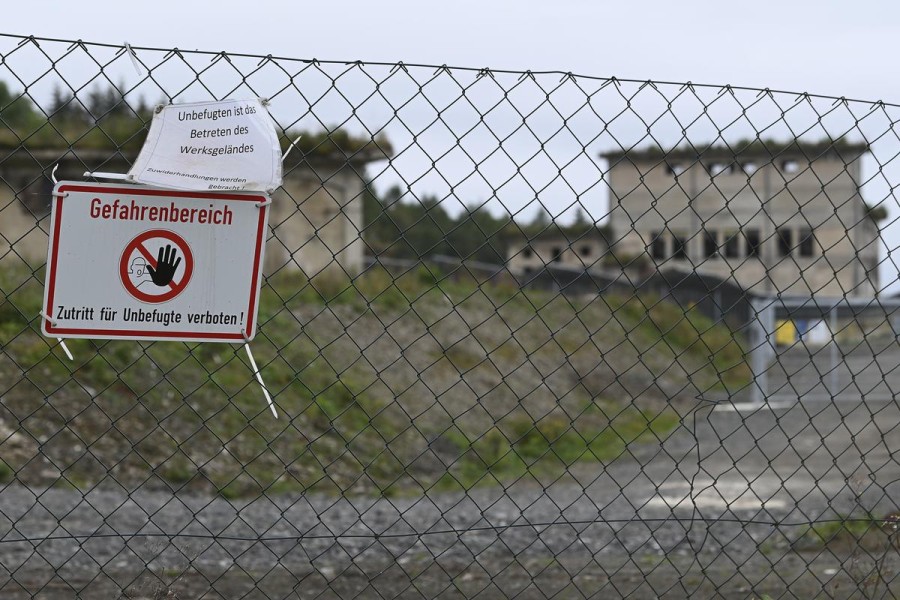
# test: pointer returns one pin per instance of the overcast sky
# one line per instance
(831, 48)
(838, 48)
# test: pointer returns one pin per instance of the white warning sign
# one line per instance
(142, 263)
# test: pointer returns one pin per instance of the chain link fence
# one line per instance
(530, 335)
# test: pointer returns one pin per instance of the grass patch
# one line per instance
(864, 531)
(6, 472)
(544, 448)
(361, 411)
(689, 335)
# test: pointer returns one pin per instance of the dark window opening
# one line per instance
(556, 253)
(785, 242)
(710, 245)
(733, 246)
(807, 243)
(527, 253)
(754, 241)
(679, 250)
(658, 246)
(585, 251)
(675, 169)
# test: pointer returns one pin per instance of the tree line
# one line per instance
(399, 224)
(98, 118)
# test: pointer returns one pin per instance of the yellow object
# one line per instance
(785, 333)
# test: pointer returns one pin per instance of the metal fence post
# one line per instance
(833, 350)
(761, 348)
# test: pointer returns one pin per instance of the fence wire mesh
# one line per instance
(530, 335)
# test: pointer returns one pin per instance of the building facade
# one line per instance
(314, 224)
(555, 247)
(788, 220)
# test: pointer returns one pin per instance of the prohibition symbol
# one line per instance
(156, 266)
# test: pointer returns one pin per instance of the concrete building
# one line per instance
(314, 222)
(779, 219)
(575, 249)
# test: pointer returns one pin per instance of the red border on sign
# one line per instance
(137, 244)
(135, 191)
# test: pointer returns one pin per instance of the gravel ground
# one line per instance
(661, 521)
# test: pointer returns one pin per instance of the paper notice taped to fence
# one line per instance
(226, 145)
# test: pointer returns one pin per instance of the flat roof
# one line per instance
(552, 232)
(746, 149)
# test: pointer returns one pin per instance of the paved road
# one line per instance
(661, 521)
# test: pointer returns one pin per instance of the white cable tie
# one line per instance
(102, 175)
(289, 148)
(66, 349)
(55, 183)
(60, 340)
(134, 60)
(258, 375)
(265, 202)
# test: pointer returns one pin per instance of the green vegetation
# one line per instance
(756, 147)
(385, 385)
(553, 444)
(863, 543)
(6, 473)
(103, 119)
(337, 143)
(849, 532)
(396, 224)
(626, 261)
(17, 112)
(400, 225)
(877, 213)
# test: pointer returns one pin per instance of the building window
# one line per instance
(556, 253)
(785, 241)
(675, 169)
(732, 245)
(750, 168)
(807, 242)
(658, 246)
(753, 242)
(679, 249)
(585, 251)
(710, 244)
(527, 253)
(790, 166)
